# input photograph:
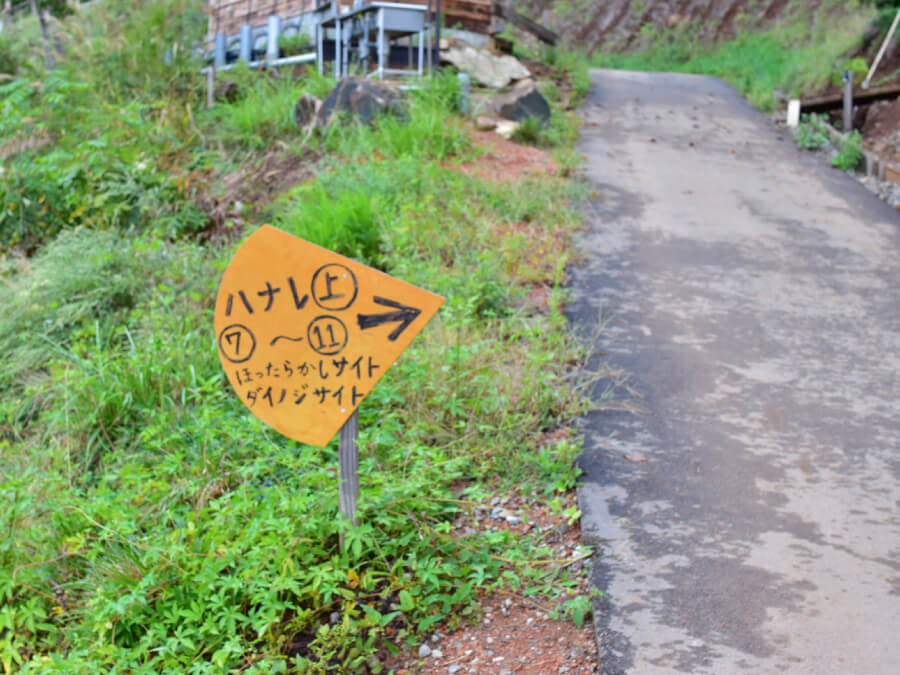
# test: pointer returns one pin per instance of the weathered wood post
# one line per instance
(348, 461)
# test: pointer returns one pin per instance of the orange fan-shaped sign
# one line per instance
(304, 333)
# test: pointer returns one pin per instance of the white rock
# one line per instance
(488, 69)
(506, 128)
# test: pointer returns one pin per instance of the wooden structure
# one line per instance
(227, 16)
(860, 96)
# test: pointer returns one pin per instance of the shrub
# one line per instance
(529, 131)
(810, 135)
(851, 152)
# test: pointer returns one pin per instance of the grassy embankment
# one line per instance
(800, 54)
(150, 523)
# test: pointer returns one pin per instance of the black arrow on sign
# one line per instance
(405, 315)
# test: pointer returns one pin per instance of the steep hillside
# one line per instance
(620, 24)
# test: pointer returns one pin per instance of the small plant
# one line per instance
(529, 131)
(289, 45)
(810, 134)
(851, 152)
(857, 67)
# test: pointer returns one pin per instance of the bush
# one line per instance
(9, 61)
(857, 67)
(851, 152)
(79, 290)
(529, 131)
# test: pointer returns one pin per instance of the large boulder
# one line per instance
(362, 99)
(521, 102)
(486, 68)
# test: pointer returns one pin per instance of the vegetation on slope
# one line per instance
(150, 523)
(801, 53)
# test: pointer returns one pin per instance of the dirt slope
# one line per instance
(617, 24)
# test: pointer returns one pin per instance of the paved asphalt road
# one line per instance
(754, 293)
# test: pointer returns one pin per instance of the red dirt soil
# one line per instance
(514, 633)
(505, 161)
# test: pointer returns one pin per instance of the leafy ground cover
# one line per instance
(150, 523)
(801, 53)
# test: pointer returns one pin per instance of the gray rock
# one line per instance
(306, 109)
(452, 670)
(488, 69)
(362, 99)
(521, 102)
(894, 199)
(228, 91)
(424, 651)
(485, 123)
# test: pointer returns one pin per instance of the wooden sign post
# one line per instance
(304, 334)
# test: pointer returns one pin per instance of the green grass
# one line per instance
(798, 55)
(150, 523)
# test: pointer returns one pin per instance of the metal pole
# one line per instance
(338, 42)
(219, 56)
(437, 34)
(246, 42)
(274, 30)
(320, 43)
(348, 461)
(421, 47)
(364, 56)
(246, 53)
(848, 101)
(211, 74)
(381, 43)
